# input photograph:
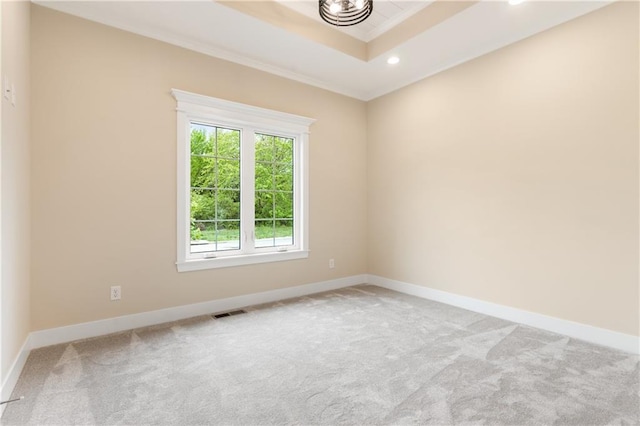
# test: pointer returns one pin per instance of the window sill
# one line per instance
(249, 259)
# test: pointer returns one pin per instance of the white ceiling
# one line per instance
(214, 29)
(386, 15)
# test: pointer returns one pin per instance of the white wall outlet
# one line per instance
(116, 292)
(332, 263)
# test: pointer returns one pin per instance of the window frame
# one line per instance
(195, 108)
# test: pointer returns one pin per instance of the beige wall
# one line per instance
(514, 178)
(14, 190)
(104, 173)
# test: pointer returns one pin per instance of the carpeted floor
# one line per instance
(361, 355)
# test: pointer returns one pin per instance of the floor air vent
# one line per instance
(229, 314)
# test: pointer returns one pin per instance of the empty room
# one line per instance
(320, 212)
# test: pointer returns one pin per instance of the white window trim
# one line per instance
(194, 107)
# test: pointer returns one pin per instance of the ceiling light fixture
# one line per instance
(393, 60)
(343, 13)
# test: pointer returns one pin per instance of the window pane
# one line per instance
(203, 171)
(283, 205)
(228, 143)
(228, 174)
(203, 237)
(264, 205)
(265, 233)
(264, 148)
(274, 233)
(274, 191)
(284, 177)
(228, 235)
(203, 204)
(202, 139)
(283, 150)
(228, 205)
(215, 188)
(284, 233)
(264, 176)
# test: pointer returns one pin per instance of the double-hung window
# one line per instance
(242, 184)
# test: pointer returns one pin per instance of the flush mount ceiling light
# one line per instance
(343, 13)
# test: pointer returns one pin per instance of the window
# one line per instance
(242, 184)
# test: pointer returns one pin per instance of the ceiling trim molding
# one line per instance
(470, 55)
(288, 19)
(365, 93)
(312, 13)
(409, 81)
(396, 20)
(356, 32)
(298, 19)
(216, 52)
(428, 17)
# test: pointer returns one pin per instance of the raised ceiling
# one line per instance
(386, 15)
(428, 37)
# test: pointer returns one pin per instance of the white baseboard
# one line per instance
(600, 336)
(14, 373)
(53, 336)
(38, 339)
(85, 330)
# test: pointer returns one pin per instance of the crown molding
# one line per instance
(209, 50)
(396, 20)
(342, 87)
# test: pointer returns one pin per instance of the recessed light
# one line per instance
(514, 2)
(393, 60)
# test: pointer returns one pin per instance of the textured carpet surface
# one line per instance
(360, 355)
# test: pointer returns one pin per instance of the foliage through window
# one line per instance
(274, 191)
(242, 184)
(215, 189)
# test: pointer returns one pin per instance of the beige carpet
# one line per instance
(361, 355)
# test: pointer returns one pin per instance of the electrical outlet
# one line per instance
(116, 292)
(332, 263)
